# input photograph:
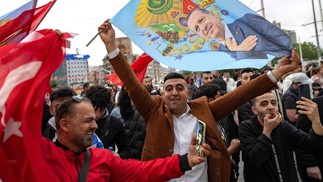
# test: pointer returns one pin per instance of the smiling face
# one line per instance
(265, 104)
(175, 95)
(206, 24)
(82, 125)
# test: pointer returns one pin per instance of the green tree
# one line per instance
(53, 84)
(309, 50)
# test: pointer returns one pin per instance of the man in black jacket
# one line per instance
(268, 142)
(305, 124)
(110, 130)
(134, 124)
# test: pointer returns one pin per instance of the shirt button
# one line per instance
(171, 150)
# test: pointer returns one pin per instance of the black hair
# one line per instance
(62, 93)
(253, 100)
(205, 72)
(99, 96)
(209, 90)
(126, 109)
(254, 76)
(245, 70)
(221, 83)
(173, 75)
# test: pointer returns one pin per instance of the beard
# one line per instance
(83, 142)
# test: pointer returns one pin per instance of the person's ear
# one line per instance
(51, 110)
(253, 109)
(63, 123)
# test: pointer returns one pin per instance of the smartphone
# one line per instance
(200, 137)
(304, 90)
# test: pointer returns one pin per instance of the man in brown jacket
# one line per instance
(171, 120)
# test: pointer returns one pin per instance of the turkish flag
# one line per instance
(16, 29)
(188, 6)
(139, 66)
(25, 71)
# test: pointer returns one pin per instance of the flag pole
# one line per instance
(93, 38)
(34, 4)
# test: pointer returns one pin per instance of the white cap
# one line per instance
(301, 78)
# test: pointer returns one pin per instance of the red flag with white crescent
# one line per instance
(188, 6)
(25, 71)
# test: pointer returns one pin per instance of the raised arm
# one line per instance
(232, 100)
(138, 93)
(310, 108)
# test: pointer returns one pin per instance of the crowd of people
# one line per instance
(254, 117)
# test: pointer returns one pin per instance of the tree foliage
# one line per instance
(309, 50)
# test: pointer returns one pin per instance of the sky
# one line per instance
(83, 17)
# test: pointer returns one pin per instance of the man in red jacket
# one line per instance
(69, 155)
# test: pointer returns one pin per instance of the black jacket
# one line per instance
(114, 135)
(258, 156)
(136, 133)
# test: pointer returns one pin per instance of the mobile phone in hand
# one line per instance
(200, 137)
(304, 90)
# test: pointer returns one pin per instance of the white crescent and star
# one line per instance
(12, 128)
(15, 77)
(190, 7)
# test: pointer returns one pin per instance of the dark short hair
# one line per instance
(99, 96)
(254, 76)
(221, 83)
(126, 109)
(62, 93)
(209, 90)
(173, 75)
(253, 101)
(245, 70)
(205, 72)
(66, 109)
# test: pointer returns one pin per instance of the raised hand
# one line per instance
(286, 64)
(107, 35)
(247, 45)
(310, 108)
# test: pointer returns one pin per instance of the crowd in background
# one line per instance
(121, 128)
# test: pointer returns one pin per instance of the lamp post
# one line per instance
(316, 33)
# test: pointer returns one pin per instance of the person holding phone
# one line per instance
(290, 97)
(171, 119)
(304, 123)
(268, 142)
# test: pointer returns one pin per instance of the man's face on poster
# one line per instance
(206, 24)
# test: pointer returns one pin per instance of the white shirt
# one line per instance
(231, 84)
(184, 128)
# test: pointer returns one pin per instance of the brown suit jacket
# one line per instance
(159, 140)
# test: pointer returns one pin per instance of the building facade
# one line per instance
(73, 72)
